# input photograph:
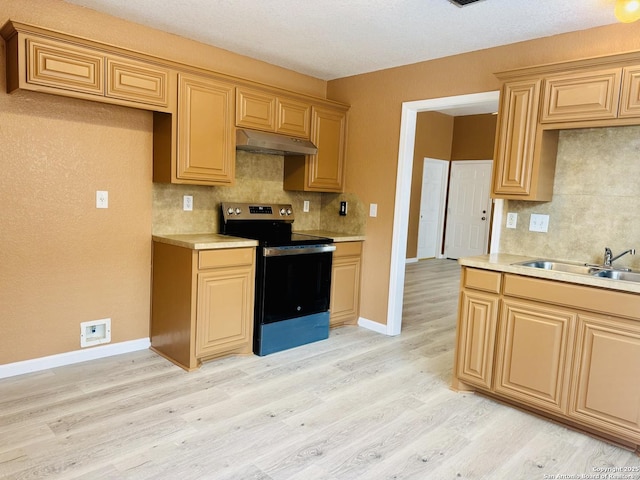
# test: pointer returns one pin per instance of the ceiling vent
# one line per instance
(462, 3)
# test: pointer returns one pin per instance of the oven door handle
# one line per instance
(301, 250)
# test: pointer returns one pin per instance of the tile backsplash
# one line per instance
(258, 179)
(596, 200)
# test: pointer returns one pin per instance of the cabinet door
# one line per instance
(137, 81)
(534, 354)
(630, 96)
(62, 65)
(294, 118)
(516, 138)
(606, 391)
(345, 283)
(206, 148)
(325, 170)
(224, 318)
(581, 96)
(255, 109)
(476, 338)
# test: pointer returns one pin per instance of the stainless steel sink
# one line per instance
(618, 275)
(583, 269)
(559, 266)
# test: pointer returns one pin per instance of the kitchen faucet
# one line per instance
(609, 258)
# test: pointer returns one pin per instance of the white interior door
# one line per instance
(468, 213)
(432, 206)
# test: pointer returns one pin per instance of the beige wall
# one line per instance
(62, 261)
(473, 137)
(374, 128)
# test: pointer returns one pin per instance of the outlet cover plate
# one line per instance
(512, 220)
(187, 203)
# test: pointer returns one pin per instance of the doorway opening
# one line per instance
(486, 102)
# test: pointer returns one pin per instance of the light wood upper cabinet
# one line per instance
(206, 147)
(630, 98)
(57, 64)
(64, 68)
(606, 391)
(524, 167)
(135, 81)
(534, 351)
(272, 113)
(591, 95)
(345, 283)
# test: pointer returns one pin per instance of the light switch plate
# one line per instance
(102, 199)
(539, 223)
(512, 220)
(373, 210)
(305, 206)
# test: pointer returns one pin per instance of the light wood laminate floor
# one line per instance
(359, 405)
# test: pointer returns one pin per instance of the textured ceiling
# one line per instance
(331, 39)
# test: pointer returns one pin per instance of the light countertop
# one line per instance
(211, 241)
(205, 241)
(502, 262)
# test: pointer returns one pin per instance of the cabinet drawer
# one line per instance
(135, 81)
(482, 280)
(571, 295)
(347, 249)
(225, 257)
(62, 65)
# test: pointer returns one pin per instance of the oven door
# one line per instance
(296, 282)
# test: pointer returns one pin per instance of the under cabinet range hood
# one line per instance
(272, 143)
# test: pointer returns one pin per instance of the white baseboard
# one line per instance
(68, 358)
(411, 260)
(371, 325)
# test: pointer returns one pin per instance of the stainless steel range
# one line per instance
(293, 275)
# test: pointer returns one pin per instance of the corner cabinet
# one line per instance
(323, 172)
(345, 283)
(568, 351)
(202, 303)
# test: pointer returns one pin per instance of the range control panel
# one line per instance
(256, 211)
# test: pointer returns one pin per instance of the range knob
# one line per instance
(289, 212)
(283, 211)
(238, 210)
(229, 211)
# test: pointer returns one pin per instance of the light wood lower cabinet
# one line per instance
(565, 350)
(202, 303)
(476, 337)
(535, 345)
(345, 283)
(606, 390)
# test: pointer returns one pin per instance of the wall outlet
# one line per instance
(539, 223)
(102, 199)
(512, 220)
(373, 209)
(305, 206)
(95, 332)
(187, 203)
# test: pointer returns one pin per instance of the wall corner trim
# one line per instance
(374, 326)
(69, 358)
